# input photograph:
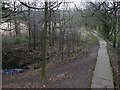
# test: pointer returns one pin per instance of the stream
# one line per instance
(10, 72)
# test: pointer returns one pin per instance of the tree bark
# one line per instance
(114, 39)
(34, 31)
(115, 23)
(16, 30)
(50, 31)
(44, 43)
(29, 29)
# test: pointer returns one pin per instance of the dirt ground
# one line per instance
(114, 57)
(71, 73)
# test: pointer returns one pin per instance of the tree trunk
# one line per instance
(44, 42)
(50, 36)
(53, 32)
(63, 32)
(34, 38)
(115, 23)
(29, 29)
(34, 31)
(16, 30)
(114, 39)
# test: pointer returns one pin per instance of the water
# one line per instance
(10, 72)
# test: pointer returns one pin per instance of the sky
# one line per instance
(78, 3)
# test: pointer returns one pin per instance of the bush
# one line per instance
(37, 65)
(19, 40)
(9, 57)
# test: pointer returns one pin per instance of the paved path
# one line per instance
(0, 61)
(102, 77)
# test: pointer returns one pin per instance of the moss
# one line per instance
(92, 76)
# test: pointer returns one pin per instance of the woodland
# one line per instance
(48, 42)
